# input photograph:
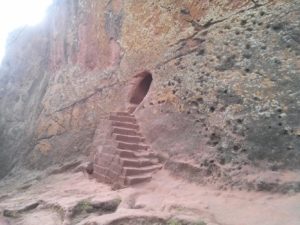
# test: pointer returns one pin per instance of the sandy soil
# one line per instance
(73, 198)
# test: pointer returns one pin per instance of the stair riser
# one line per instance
(132, 147)
(125, 125)
(134, 172)
(136, 181)
(136, 163)
(124, 119)
(129, 155)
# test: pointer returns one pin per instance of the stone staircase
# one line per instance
(123, 158)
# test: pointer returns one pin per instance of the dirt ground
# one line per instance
(74, 198)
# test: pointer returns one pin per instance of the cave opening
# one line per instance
(141, 87)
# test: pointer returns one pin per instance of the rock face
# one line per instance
(225, 89)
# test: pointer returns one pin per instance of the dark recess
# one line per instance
(141, 89)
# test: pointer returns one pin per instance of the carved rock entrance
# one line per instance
(139, 88)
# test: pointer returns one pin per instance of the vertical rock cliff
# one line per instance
(224, 96)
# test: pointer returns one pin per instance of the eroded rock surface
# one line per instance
(73, 199)
(224, 97)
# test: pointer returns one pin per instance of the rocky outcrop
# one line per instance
(225, 89)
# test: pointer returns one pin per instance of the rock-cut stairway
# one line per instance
(123, 158)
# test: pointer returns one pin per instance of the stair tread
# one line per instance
(140, 176)
(129, 151)
(124, 131)
(144, 167)
(137, 179)
(118, 124)
(138, 153)
(132, 146)
(143, 153)
(129, 139)
(136, 160)
(132, 143)
(122, 114)
(125, 119)
(135, 154)
(133, 136)
(124, 122)
(124, 125)
(139, 144)
(125, 150)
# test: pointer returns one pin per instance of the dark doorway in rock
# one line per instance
(141, 86)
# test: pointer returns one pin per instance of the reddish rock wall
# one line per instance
(224, 91)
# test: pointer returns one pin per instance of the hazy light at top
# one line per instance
(17, 13)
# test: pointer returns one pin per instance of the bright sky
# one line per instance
(17, 13)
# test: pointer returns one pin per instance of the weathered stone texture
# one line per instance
(225, 87)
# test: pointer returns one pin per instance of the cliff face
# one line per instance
(225, 88)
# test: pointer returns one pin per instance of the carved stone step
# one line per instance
(129, 139)
(130, 162)
(131, 180)
(130, 146)
(122, 156)
(134, 154)
(146, 154)
(125, 119)
(125, 125)
(127, 154)
(133, 171)
(121, 114)
(124, 131)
